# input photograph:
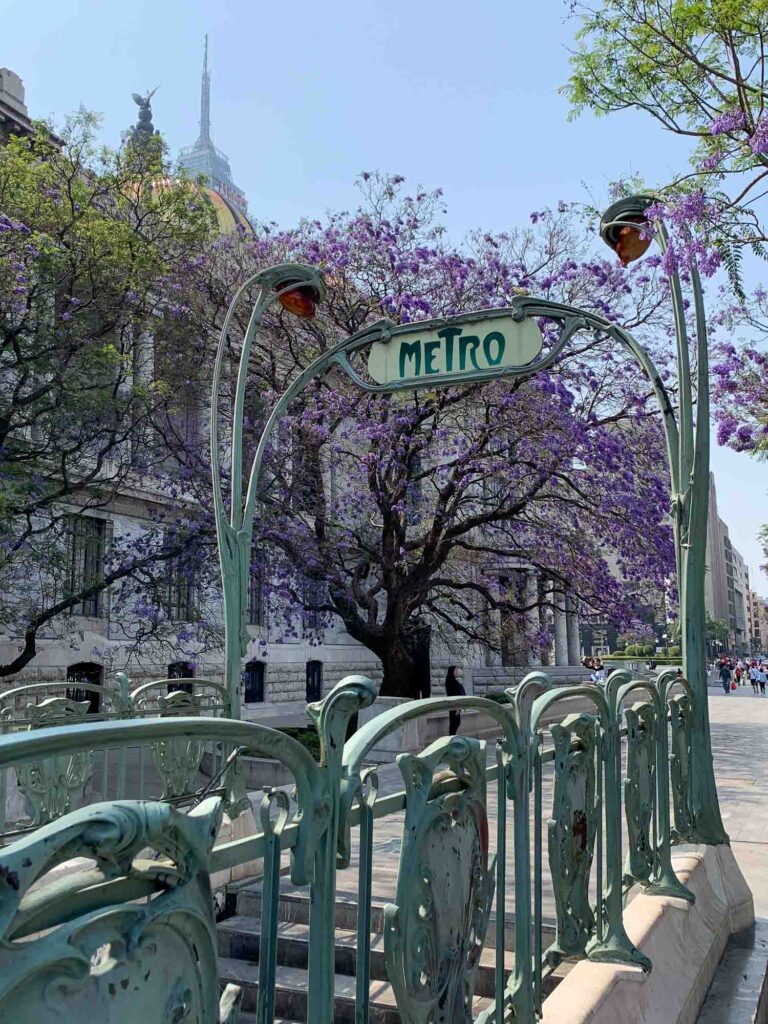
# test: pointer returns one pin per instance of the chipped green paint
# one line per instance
(571, 832)
(435, 930)
(640, 792)
(109, 958)
(680, 759)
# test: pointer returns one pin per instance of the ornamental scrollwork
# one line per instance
(98, 954)
(178, 760)
(640, 791)
(53, 785)
(434, 933)
(571, 832)
(679, 767)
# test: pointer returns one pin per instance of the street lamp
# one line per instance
(299, 289)
(625, 228)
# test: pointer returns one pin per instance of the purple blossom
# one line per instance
(729, 121)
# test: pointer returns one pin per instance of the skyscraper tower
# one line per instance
(204, 157)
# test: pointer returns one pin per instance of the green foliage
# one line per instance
(306, 736)
(90, 237)
(717, 629)
(697, 68)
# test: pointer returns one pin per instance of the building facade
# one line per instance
(758, 623)
(726, 592)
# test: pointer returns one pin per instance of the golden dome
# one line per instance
(228, 217)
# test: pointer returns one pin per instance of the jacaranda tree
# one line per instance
(410, 514)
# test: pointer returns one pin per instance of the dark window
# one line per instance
(85, 672)
(314, 680)
(180, 670)
(314, 596)
(253, 682)
(256, 611)
(87, 536)
(180, 592)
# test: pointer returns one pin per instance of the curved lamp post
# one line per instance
(625, 229)
(298, 289)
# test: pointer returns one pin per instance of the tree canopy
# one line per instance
(697, 67)
(88, 239)
(402, 513)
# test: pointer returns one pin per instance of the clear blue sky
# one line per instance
(306, 95)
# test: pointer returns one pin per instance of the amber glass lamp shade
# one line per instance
(301, 300)
(631, 245)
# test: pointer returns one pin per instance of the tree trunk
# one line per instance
(406, 664)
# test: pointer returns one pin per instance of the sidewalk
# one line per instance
(739, 722)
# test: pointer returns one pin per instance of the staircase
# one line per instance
(238, 941)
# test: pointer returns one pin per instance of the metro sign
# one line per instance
(454, 350)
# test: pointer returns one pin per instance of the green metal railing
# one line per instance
(579, 780)
(40, 791)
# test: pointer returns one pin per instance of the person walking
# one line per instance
(725, 676)
(753, 678)
(454, 688)
(762, 678)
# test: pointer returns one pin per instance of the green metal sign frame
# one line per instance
(686, 428)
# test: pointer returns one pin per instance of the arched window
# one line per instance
(314, 681)
(180, 670)
(85, 672)
(254, 677)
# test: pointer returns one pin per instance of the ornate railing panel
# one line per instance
(679, 763)
(100, 957)
(37, 793)
(435, 930)
(572, 830)
(606, 763)
(640, 792)
(54, 785)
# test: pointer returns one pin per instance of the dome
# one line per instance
(228, 217)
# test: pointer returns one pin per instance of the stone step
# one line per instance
(239, 939)
(294, 907)
(291, 993)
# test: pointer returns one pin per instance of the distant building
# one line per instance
(14, 116)
(726, 588)
(204, 158)
(758, 623)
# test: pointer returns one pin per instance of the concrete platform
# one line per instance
(684, 941)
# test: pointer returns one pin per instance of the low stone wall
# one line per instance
(684, 942)
(491, 680)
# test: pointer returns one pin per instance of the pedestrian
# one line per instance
(762, 678)
(454, 688)
(599, 671)
(725, 676)
(753, 678)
